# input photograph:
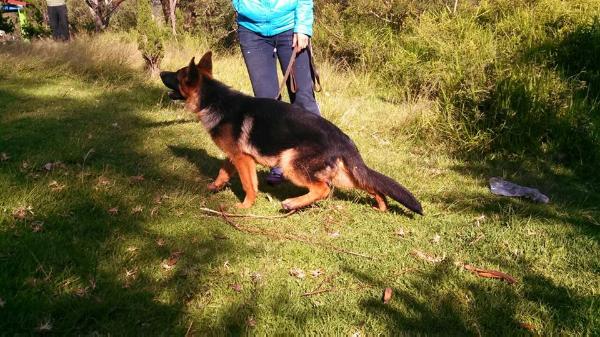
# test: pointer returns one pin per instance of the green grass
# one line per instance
(70, 263)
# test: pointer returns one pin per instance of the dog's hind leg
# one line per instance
(225, 173)
(246, 167)
(381, 202)
(316, 191)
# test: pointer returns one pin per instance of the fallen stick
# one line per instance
(288, 237)
(316, 292)
(490, 273)
(232, 215)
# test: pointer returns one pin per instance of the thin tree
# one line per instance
(168, 8)
(102, 11)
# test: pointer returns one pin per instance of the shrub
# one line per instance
(150, 37)
(6, 25)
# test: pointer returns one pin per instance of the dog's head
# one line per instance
(185, 83)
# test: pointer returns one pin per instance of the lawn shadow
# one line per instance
(72, 260)
(572, 200)
(445, 301)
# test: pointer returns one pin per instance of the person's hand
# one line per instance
(300, 41)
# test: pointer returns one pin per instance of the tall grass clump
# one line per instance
(508, 76)
(107, 58)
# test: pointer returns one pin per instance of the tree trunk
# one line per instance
(102, 11)
(172, 18)
(166, 9)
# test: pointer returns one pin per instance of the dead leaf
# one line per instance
(4, 156)
(527, 326)
(172, 260)
(479, 220)
(158, 199)
(490, 273)
(56, 186)
(93, 283)
(400, 232)
(45, 326)
(103, 181)
(160, 242)
(251, 321)
(334, 234)
(236, 287)
(479, 237)
(531, 232)
(317, 272)
(48, 166)
(429, 258)
(132, 249)
(436, 238)
(153, 211)
(387, 295)
(22, 213)
(81, 291)
(297, 272)
(136, 179)
(131, 274)
(256, 277)
(113, 211)
(37, 226)
(137, 209)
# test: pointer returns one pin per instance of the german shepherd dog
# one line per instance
(311, 151)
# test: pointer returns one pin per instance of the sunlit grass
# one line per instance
(96, 256)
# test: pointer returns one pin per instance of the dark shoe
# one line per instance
(275, 176)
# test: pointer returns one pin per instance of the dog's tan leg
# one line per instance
(381, 202)
(316, 191)
(225, 173)
(246, 167)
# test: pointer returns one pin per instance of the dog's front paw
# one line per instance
(243, 205)
(288, 205)
(214, 187)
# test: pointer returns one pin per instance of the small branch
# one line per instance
(232, 215)
(288, 237)
(385, 19)
(187, 333)
(316, 292)
(40, 265)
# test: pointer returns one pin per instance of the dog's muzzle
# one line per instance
(169, 79)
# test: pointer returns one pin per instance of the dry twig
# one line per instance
(288, 237)
(232, 215)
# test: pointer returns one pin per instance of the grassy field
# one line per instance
(102, 181)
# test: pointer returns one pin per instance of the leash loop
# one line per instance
(291, 74)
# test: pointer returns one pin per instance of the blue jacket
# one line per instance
(271, 17)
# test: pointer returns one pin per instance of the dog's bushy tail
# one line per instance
(371, 180)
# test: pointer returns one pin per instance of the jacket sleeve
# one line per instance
(304, 17)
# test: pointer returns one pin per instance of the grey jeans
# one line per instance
(57, 17)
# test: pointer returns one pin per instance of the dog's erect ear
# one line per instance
(205, 63)
(192, 73)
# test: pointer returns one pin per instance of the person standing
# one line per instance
(57, 17)
(271, 30)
